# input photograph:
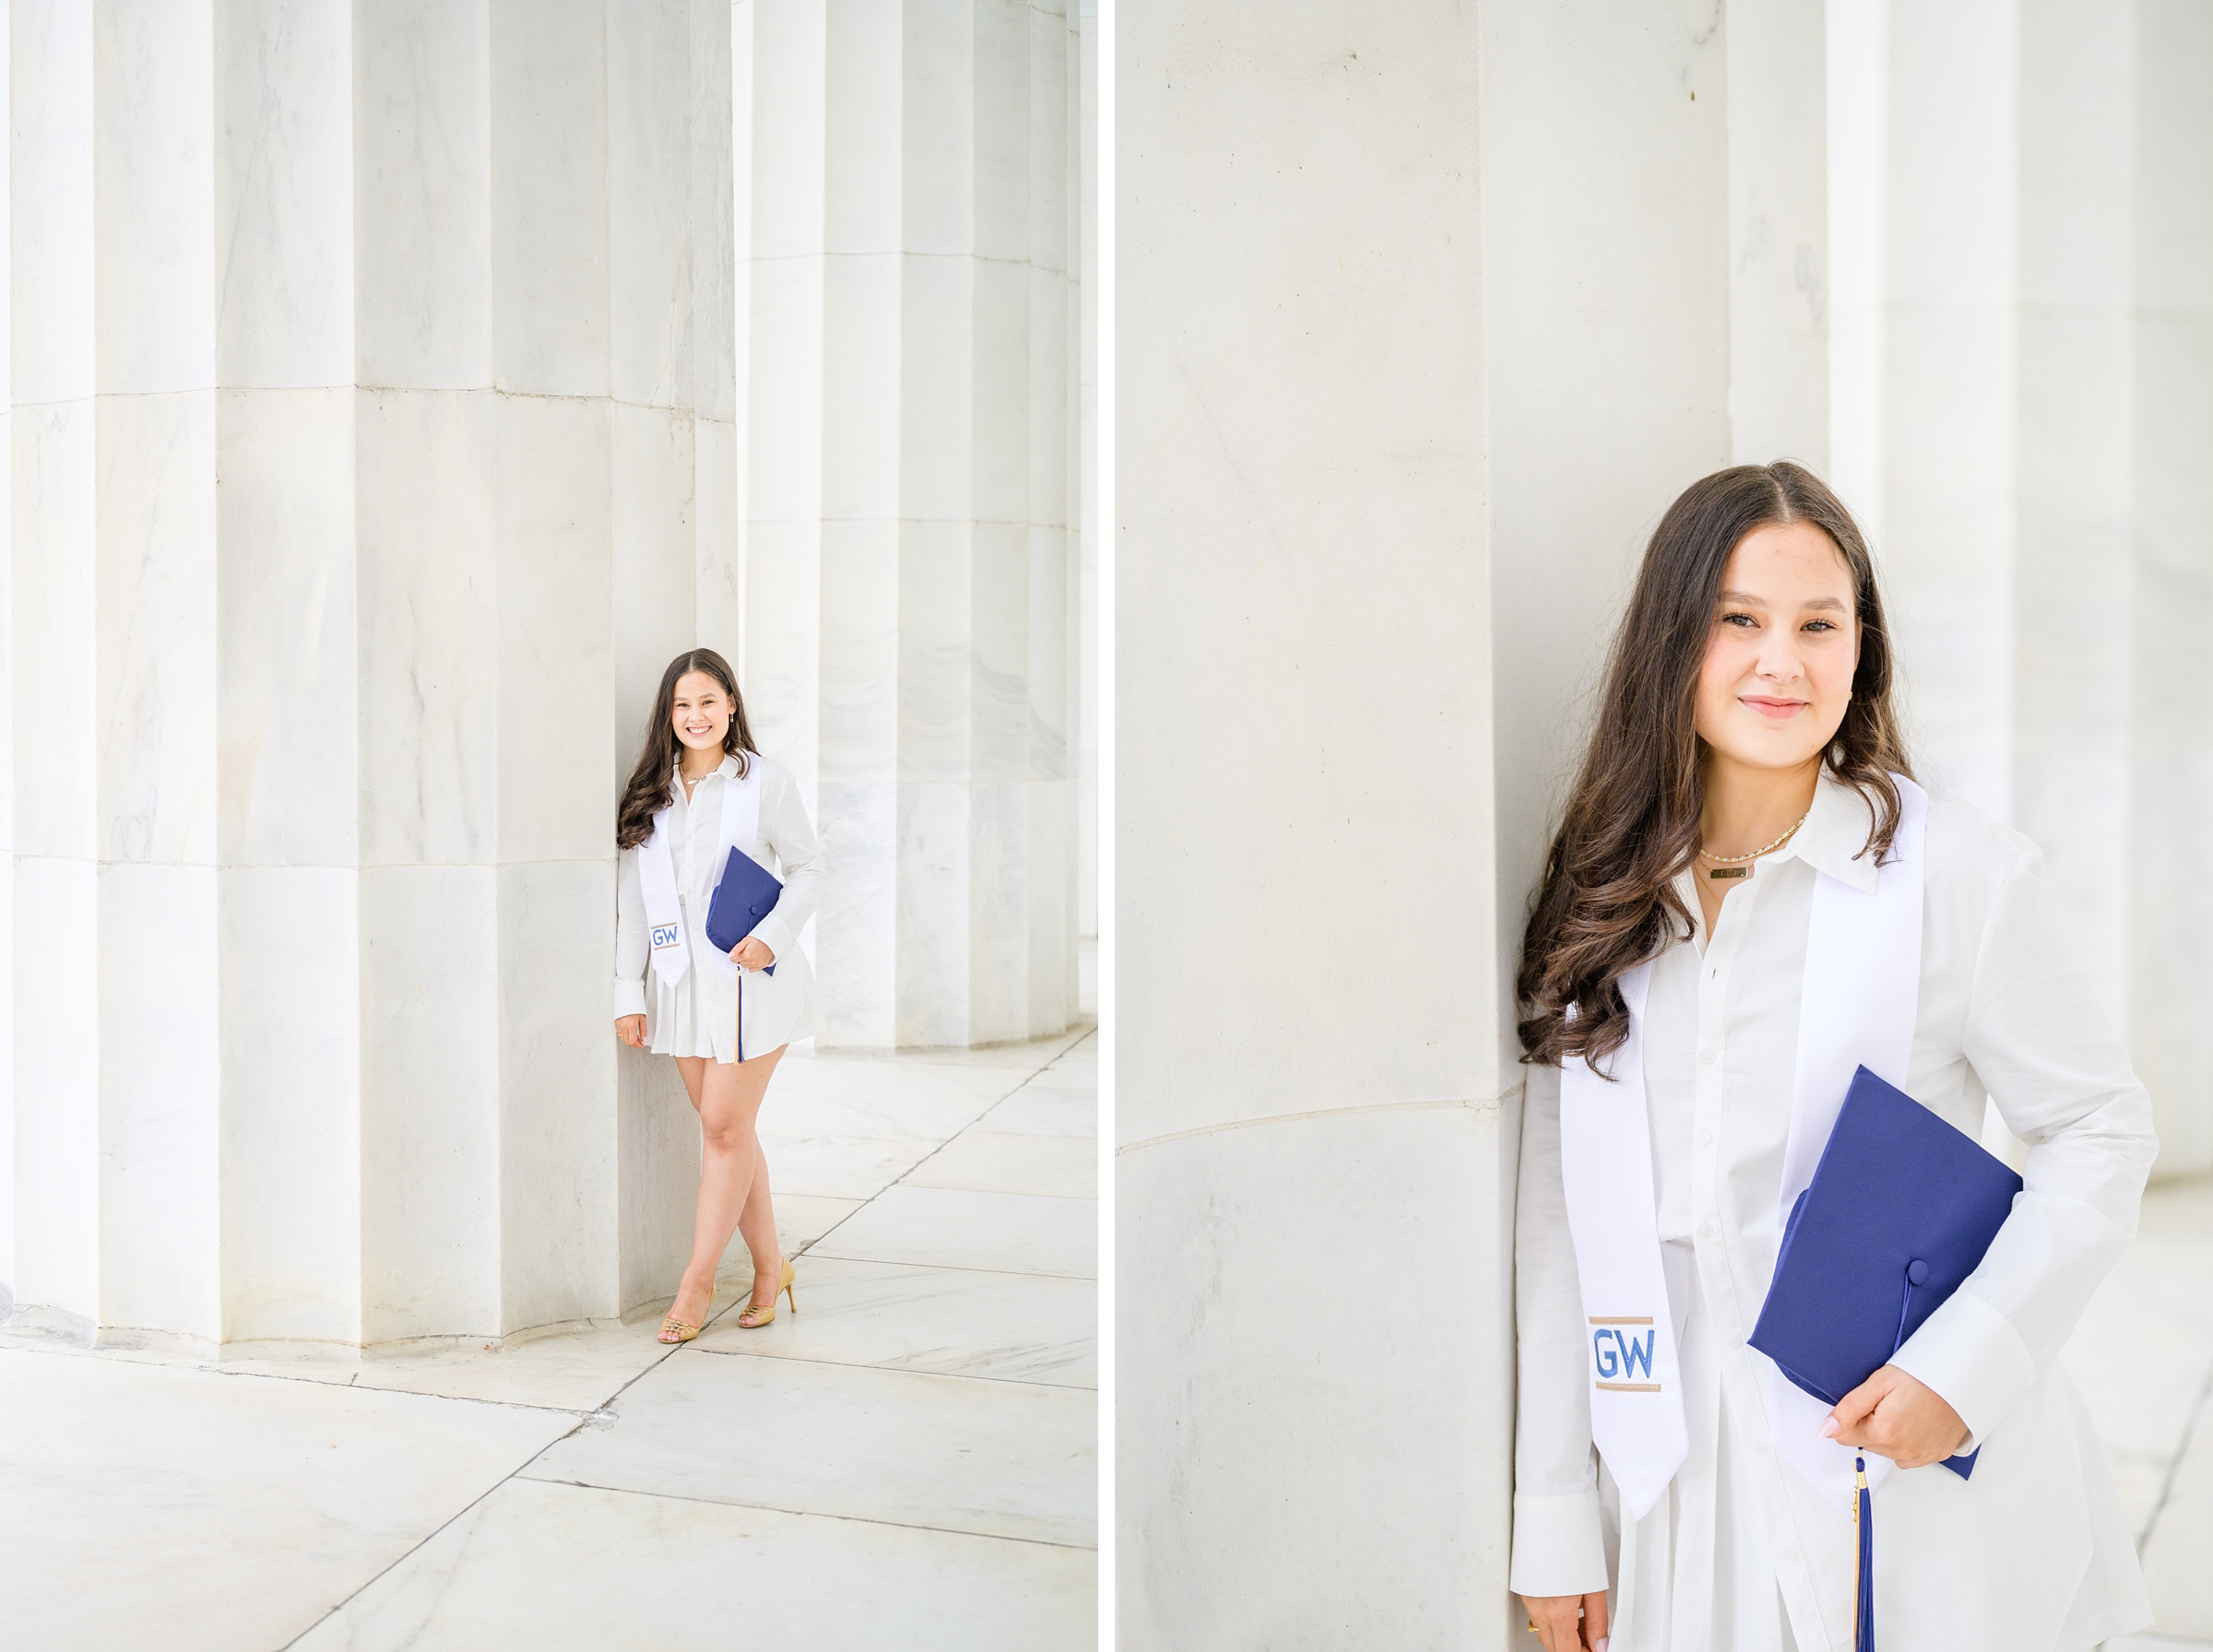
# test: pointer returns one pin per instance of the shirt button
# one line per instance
(1705, 1138)
(1759, 1445)
(1706, 1230)
(1706, 1059)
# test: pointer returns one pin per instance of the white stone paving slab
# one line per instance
(956, 1453)
(1046, 1113)
(830, 1096)
(560, 1568)
(1070, 1073)
(150, 1506)
(2141, 1354)
(1030, 1058)
(573, 1367)
(575, 1370)
(2143, 1358)
(1015, 1232)
(1024, 1328)
(933, 1412)
(838, 1166)
(2178, 1555)
(1007, 1162)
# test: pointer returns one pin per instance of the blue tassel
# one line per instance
(1862, 1606)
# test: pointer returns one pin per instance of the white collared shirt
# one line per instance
(2004, 1010)
(696, 1015)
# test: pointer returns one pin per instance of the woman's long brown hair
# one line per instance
(647, 791)
(1607, 902)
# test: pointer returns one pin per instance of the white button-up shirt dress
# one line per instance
(698, 1014)
(1741, 1554)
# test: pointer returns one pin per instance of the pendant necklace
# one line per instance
(1739, 865)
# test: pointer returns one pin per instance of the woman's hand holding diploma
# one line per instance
(750, 954)
(1899, 1417)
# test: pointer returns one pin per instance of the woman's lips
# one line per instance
(1776, 709)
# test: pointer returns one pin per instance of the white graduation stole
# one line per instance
(657, 871)
(1861, 992)
(1613, 1217)
(1861, 999)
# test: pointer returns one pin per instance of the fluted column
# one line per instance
(116, 689)
(2044, 329)
(1778, 281)
(376, 444)
(908, 585)
(2170, 353)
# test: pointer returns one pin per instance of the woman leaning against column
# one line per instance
(699, 789)
(1746, 757)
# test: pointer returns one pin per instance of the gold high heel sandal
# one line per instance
(684, 1331)
(746, 1320)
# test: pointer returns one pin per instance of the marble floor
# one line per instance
(2143, 1358)
(909, 1461)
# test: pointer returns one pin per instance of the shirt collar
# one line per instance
(1835, 834)
(727, 768)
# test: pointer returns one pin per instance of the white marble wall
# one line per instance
(909, 584)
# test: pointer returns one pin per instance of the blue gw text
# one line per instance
(1620, 1355)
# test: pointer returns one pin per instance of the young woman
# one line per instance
(698, 790)
(1749, 897)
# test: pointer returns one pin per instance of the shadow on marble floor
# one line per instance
(908, 1460)
(2143, 1358)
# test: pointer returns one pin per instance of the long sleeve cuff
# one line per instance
(630, 997)
(1970, 1353)
(1559, 1545)
(773, 933)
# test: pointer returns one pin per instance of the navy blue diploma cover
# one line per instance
(1901, 1210)
(747, 893)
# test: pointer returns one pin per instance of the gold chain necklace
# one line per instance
(1724, 861)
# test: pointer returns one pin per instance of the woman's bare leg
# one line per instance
(733, 1180)
(757, 1225)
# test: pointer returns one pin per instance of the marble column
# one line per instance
(1090, 530)
(1311, 1350)
(2170, 353)
(116, 687)
(1949, 470)
(2040, 313)
(375, 426)
(1424, 318)
(908, 590)
(1779, 281)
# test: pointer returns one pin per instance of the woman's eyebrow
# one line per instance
(1749, 600)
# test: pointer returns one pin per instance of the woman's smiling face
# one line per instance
(1776, 678)
(700, 712)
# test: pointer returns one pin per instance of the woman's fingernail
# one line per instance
(1599, 1643)
(1829, 1429)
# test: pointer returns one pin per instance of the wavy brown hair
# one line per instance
(647, 791)
(1608, 901)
